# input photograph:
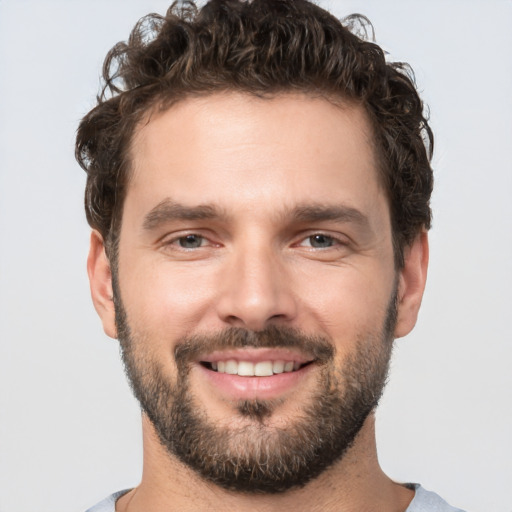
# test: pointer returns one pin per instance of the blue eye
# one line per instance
(321, 241)
(190, 241)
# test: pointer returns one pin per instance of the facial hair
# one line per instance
(259, 457)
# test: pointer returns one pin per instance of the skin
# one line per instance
(257, 160)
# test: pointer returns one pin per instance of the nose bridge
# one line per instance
(255, 290)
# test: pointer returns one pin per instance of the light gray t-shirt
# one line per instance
(427, 501)
(423, 501)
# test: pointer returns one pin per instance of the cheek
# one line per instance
(347, 302)
(166, 301)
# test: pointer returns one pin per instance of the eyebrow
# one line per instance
(168, 210)
(320, 212)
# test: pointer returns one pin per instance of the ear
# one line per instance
(100, 281)
(411, 284)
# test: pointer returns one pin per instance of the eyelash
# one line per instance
(176, 242)
(335, 242)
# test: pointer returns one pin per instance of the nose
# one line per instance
(255, 291)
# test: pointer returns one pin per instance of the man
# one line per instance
(258, 188)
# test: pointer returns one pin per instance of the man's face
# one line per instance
(256, 289)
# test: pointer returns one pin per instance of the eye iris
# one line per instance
(190, 241)
(320, 241)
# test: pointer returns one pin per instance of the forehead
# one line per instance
(238, 150)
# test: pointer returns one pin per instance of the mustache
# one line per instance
(317, 348)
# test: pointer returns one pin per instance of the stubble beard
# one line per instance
(256, 456)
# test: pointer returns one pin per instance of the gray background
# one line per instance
(69, 429)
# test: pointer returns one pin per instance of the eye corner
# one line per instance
(320, 240)
(186, 242)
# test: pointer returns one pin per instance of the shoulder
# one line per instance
(427, 501)
(108, 504)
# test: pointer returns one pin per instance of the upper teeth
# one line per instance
(249, 369)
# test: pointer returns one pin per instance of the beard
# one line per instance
(253, 455)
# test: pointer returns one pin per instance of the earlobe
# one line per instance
(100, 281)
(411, 284)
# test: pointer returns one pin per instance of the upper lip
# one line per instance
(256, 355)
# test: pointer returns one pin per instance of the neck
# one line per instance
(354, 483)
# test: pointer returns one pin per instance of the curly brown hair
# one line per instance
(262, 47)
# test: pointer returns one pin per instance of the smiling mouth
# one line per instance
(251, 369)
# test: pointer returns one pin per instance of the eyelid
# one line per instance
(198, 238)
(338, 238)
(172, 239)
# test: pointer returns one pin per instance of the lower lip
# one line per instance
(243, 388)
